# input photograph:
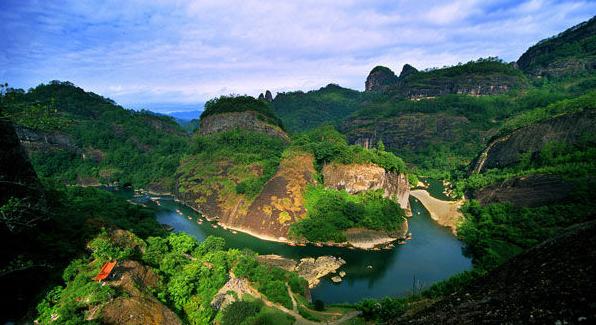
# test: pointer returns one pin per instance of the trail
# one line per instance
(445, 213)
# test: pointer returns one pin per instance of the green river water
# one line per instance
(433, 254)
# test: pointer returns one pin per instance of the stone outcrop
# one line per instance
(380, 78)
(311, 269)
(356, 178)
(247, 120)
(414, 131)
(508, 150)
(552, 283)
(137, 306)
(406, 71)
(269, 216)
(473, 85)
(527, 191)
(370, 239)
(34, 140)
(266, 97)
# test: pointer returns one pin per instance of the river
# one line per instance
(433, 254)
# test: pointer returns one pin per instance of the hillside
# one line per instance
(571, 52)
(79, 137)
(250, 178)
(489, 76)
(302, 111)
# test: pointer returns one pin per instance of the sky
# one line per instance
(170, 55)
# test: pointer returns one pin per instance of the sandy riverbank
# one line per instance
(445, 213)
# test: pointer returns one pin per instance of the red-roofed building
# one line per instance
(105, 271)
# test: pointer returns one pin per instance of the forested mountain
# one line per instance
(571, 52)
(515, 144)
(79, 137)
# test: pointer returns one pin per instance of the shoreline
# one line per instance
(387, 242)
(445, 213)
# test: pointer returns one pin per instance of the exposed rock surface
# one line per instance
(311, 269)
(369, 239)
(507, 150)
(380, 78)
(526, 191)
(38, 140)
(552, 283)
(414, 131)
(17, 180)
(471, 84)
(270, 215)
(280, 203)
(248, 120)
(137, 306)
(356, 178)
(407, 70)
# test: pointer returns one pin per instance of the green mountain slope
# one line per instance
(302, 111)
(571, 52)
(79, 137)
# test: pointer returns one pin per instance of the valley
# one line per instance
(442, 195)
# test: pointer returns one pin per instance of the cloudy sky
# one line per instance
(173, 55)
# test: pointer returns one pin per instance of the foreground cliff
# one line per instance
(549, 284)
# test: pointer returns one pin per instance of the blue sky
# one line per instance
(172, 55)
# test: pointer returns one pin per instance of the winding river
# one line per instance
(433, 254)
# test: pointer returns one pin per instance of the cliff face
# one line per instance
(474, 85)
(526, 191)
(507, 150)
(18, 181)
(280, 203)
(379, 79)
(356, 178)
(34, 140)
(271, 213)
(248, 120)
(415, 132)
(550, 283)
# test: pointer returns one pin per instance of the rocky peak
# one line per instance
(407, 70)
(380, 78)
(266, 97)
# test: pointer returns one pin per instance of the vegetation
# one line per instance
(575, 43)
(72, 217)
(229, 104)
(331, 212)
(98, 141)
(191, 274)
(235, 165)
(328, 145)
(304, 111)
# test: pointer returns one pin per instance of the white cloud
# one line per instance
(189, 51)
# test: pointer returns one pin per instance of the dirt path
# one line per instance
(445, 213)
(294, 304)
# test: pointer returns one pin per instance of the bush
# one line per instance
(238, 311)
(331, 212)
